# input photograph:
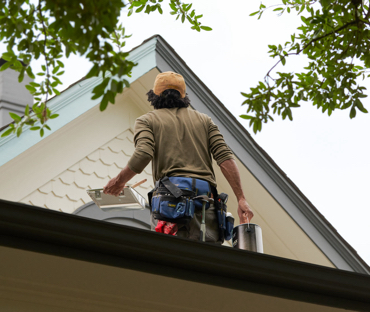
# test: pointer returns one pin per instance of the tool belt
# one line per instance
(172, 200)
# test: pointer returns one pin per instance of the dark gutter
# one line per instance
(55, 233)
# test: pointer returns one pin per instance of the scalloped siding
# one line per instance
(67, 191)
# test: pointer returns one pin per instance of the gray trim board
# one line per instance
(274, 180)
(51, 232)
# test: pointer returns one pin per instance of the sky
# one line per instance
(326, 157)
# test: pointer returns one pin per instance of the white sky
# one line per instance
(326, 157)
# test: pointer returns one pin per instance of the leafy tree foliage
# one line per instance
(51, 29)
(335, 37)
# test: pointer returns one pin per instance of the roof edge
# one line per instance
(51, 232)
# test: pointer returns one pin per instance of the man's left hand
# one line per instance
(114, 186)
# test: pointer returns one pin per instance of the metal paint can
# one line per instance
(248, 236)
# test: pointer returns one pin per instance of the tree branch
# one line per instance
(44, 114)
(328, 34)
(312, 41)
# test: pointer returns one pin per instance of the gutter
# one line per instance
(55, 233)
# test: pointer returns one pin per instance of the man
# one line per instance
(181, 142)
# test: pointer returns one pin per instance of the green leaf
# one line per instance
(5, 66)
(19, 131)
(360, 106)
(111, 96)
(27, 110)
(94, 71)
(278, 9)
(206, 28)
(34, 128)
(55, 70)
(31, 89)
(352, 113)
(7, 132)
(42, 132)
(113, 86)
(246, 116)
(282, 58)
(53, 116)
(140, 9)
(7, 56)
(21, 76)
(29, 72)
(104, 103)
(15, 117)
(183, 18)
(60, 64)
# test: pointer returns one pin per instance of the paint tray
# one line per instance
(130, 199)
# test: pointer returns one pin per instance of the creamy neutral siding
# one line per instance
(67, 191)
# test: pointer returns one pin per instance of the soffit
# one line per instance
(38, 282)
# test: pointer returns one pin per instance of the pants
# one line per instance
(192, 230)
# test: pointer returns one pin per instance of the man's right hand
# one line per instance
(244, 211)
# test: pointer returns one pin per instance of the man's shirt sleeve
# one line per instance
(144, 146)
(218, 147)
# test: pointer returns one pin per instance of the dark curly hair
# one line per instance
(167, 99)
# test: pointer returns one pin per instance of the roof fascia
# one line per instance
(55, 233)
(262, 167)
(77, 96)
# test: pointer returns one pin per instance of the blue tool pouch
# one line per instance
(172, 209)
(172, 201)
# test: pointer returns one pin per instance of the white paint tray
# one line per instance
(131, 199)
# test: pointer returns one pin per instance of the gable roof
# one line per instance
(155, 52)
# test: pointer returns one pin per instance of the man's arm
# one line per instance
(231, 172)
(116, 185)
(143, 154)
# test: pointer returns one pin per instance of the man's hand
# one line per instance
(114, 186)
(231, 172)
(244, 211)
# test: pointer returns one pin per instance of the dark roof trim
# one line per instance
(300, 209)
(56, 233)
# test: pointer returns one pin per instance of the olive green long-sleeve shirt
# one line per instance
(180, 141)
